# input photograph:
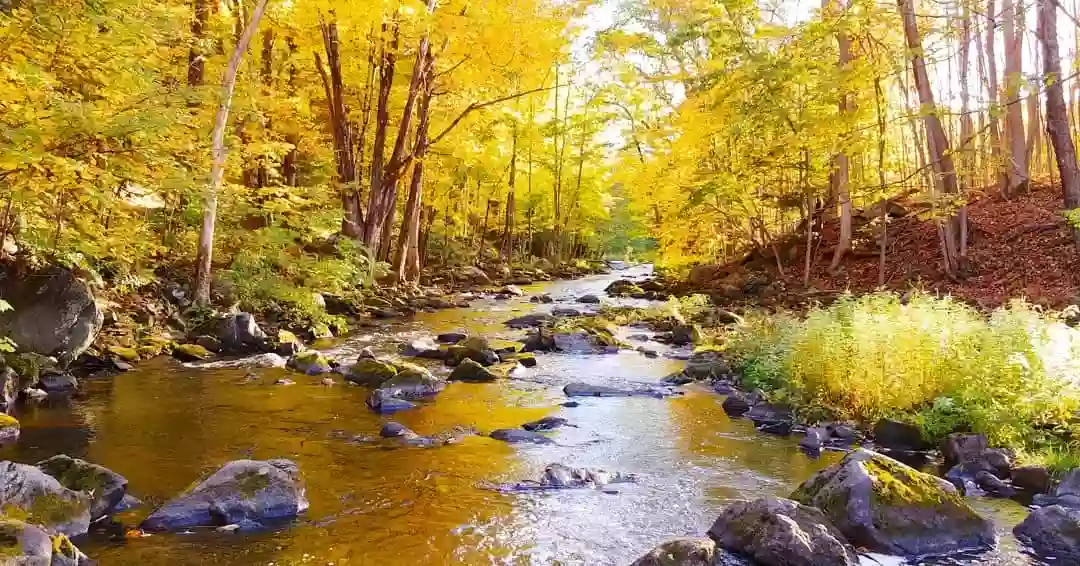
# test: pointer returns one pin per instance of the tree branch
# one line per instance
(480, 106)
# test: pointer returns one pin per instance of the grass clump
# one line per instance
(932, 361)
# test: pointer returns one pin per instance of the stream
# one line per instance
(163, 426)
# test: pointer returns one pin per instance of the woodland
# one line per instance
(269, 148)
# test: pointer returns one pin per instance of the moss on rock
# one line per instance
(372, 373)
(190, 352)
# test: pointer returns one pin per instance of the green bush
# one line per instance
(931, 361)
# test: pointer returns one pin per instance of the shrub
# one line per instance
(932, 361)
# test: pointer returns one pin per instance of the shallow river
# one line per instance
(163, 426)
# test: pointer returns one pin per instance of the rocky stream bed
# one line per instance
(572, 457)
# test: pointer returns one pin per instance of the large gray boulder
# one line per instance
(38, 498)
(1052, 531)
(413, 382)
(102, 486)
(780, 532)
(53, 313)
(249, 493)
(885, 506)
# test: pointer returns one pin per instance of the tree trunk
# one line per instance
(1016, 159)
(967, 126)
(205, 253)
(1057, 117)
(289, 162)
(840, 173)
(507, 246)
(997, 147)
(196, 70)
(407, 260)
(936, 139)
(387, 62)
(342, 131)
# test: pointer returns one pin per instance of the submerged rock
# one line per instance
(104, 487)
(53, 312)
(392, 429)
(589, 299)
(565, 312)
(707, 364)
(774, 531)
(451, 337)
(885, 506)
(370, 372)
(518, 436)
(623, 288)
(1053, 532)
(190, 352)
(28, 492)
(546, 423)
(543, 299)
(736, 404)
(578, 389)
(386, 401)
(529, 321)
(55, 381)
(423, 348)
(469, 370)
(251, 492)
(310, 362)
(476, 349)
(563, 476)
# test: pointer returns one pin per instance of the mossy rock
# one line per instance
(286, 337)
(190, 352)
(526, 359)
(886, 506)
(413, 382)
(124, 353)
(371, 373)
(9, 429)
(24, 544)
(310, 362)
(470, 370)
(28, 365)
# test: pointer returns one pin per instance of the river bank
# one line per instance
(165, 424)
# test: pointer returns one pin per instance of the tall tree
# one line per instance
(205, 253)
(839, 177)
(196, 69)
(1057, 116)
(1016, 159)
(936, 139)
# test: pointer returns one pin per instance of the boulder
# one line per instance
(469, 370)
(1053, 532)
(539, 341)
(589, 299)
(1066, 494)
(55, 381)
(773, 418)
(563, 476)
(9, 430)
(519, 436)
(690, 551)
(392, 429)
(775, 531)
(451, 337)
(707, 364)
(23, 544)
(1033, 479)
(28, 492)
(543, 299)
(895, 435)
(208, 342)
(413, 382)
(960, 447)
(423, 348)
(476, 349)
(310, 362)
(370, 372)
(565, 312)
(623, 288)
(385, 401)
(546, 423)
(252, 493)
(10, 385)
(885, 506)
(190, 352)
(736, 405)
(475, 275)
(676, 379)
(53, 312)
(239, 333)
(686, 334)
(529, 321)
(814, 440)
(102, 486)
(267, 360)
(513, 290)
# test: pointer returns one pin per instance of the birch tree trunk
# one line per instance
(204, 255)
(1057, 116)
(997, 148)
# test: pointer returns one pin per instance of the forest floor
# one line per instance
(1018, 248)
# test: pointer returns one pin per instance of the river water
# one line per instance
(164, 425)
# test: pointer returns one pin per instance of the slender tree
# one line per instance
(205, 253)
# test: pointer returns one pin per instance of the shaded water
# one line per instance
(163, 426)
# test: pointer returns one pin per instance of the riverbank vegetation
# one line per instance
(934, 362)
